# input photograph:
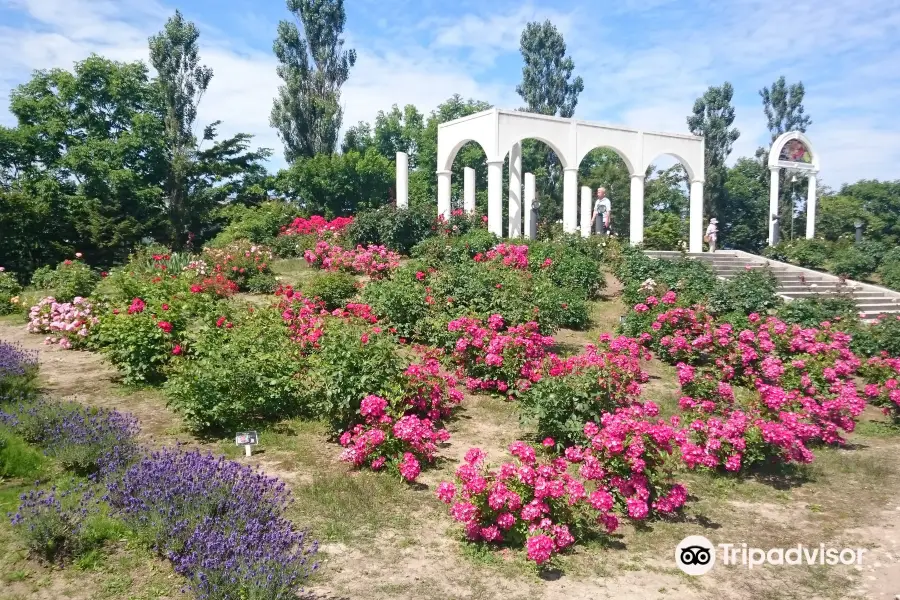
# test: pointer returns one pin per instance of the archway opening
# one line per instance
(605, 167)
(539, 159)
(470, 154)
(667, 189)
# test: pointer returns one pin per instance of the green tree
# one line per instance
(338, 184)
(713, 117)
(879, 199)
(547, 88)
(747, 211)
(603, 167)
(197, 180)
(314, 65)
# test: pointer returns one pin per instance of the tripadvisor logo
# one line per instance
(696, 555)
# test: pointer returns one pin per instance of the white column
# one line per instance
(773, 202)
(495, 197)
(469, 190)
(570, 200)
(585, 211)
(637, 209)
(402, 180)
(444, 193)
(515, 191)
(695, 241)
(811, 208)
(530, 221)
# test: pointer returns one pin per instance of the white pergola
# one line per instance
(779, 159)
(499, 132)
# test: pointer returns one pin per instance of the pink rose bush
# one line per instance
(67, 324)
(374, 261)
(510, 255)
(384, 441)
(882, 377)
(317, 225)
(572, 391)
(543, 504)
(800, 379)
(495, 357)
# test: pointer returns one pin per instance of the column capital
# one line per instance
(638, 176)
(444, 172)
(693, 181)
(774, 168)
(571, 169)
(495, 162)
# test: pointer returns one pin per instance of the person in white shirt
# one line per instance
(712, 232)
(602, 214)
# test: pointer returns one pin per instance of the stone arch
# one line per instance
(621, 153)
(454, 150)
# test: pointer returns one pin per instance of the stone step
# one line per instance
(868, 296)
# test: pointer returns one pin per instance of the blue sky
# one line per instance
(643, 61)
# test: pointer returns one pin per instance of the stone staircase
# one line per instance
(796, 282)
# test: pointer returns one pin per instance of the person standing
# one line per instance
(712, 233)
(602, 214)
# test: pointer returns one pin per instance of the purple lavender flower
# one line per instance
(18, 367)
(87, 440)
(52, 522)
(221, 523)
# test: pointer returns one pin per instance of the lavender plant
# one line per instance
(18, 370)
(52, 522)
(86, 440)
(221, 523)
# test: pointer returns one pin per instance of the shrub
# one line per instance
(258, 224)
(438, 250)
(690, 279)
(567, 267)
(753, 290)
(882, 336)
(353, 361)
(53, 523)
(69, 280)
(83, 439)
(9, 293)
(18, 370)
(374, 261)
(883, 390)
(579, 389)
(139, 342)
(811, 254)
(233, 376)
(248, 265)
(68, 324)
(853, 263)
(496, 357)
(810, 312)
(889, 270)
(334, 289)
(220, 523)
(395, 228)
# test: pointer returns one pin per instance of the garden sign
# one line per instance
(247, 439)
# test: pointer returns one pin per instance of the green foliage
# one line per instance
(313, 65)
(397, 229)
(810, 312)
(753, 290)
(854, 263)
(665, 232)
(547, 86)
(881, 336)
(744, 217)
(811, 254)
(334, 288)
(135, 344)
(889, 270)
(570, 268)
(691, 280)
(9, 289)
(69, 280)
(352, 363)
(400, 298)
(336, 185)
(17, 458)
(234, 377)
(258, 224)
(437, 250)
(880, 202)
